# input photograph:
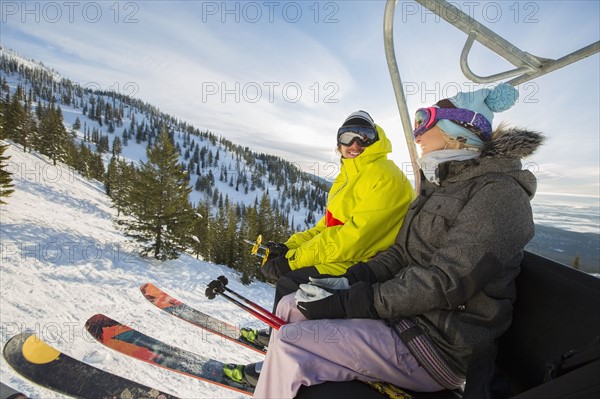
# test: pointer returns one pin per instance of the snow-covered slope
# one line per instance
(62, 260)
(240, 175)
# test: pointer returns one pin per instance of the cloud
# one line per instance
(283, 86)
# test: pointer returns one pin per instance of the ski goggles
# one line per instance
(426, 118)
(365, 136)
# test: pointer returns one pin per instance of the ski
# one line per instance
(179, 309)
(164, 301)
(43, 365)
(131, 342)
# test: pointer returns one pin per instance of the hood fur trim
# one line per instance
(513, 142)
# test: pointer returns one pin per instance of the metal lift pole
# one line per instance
(390, 54)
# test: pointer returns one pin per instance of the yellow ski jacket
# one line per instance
(365, 209)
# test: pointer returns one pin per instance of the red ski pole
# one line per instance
(264, 318)
(219, 287)
(256, 306)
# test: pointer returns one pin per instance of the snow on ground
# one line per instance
(62, 260)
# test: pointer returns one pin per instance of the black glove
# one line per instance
(360, 272)
(276, 248)
(214, 287)
(275, 267)
(317, 303)
(355, 273)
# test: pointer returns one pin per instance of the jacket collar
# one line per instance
(378, 150)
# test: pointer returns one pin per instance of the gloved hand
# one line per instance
(276, 248)
(330, 283)
(311, 293)
(360, 272)
(318, 303)
(275, 267)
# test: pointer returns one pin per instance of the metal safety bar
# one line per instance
(390, 55)
(528, 66)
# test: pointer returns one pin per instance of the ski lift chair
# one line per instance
(552, 349)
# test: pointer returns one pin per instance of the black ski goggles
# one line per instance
(365, 136)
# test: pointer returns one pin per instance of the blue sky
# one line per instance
(280, 77)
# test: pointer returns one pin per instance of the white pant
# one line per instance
(309, 352)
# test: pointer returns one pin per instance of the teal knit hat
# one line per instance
(484, 102)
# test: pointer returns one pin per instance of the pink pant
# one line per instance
(309, 352)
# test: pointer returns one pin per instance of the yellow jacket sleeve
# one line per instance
(300, 238)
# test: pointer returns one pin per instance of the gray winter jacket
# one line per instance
(452, 269)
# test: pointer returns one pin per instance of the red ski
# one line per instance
(202, 320)
(131, 342)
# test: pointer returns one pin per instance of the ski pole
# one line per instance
(256, 245)
(256, 306)
(254, 250)
(258, 315)
(217, 287)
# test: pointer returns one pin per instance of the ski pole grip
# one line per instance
(223, 280)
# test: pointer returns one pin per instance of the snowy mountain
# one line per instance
(62, 260)
(218, 169)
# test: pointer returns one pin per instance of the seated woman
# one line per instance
(365, 208)
(416, 313)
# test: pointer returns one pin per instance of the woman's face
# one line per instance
(431, 140)
(351, 151)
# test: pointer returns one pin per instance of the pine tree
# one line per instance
(52, 134)
(250, 264)
(266, 220)
(82, 159)
(232, 238)
(96, 167)
(118, 180)
(201, 240)
(17, 126)
(117, 147)
(223, 237)
(6, 185)
(125, 137)
(161, 216)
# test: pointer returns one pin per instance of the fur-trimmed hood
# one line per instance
(501, 155)
(512, 142)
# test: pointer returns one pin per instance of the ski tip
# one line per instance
(95, 324)
(37, 351)
(150, 291)
(99, 318)
(148, 286)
